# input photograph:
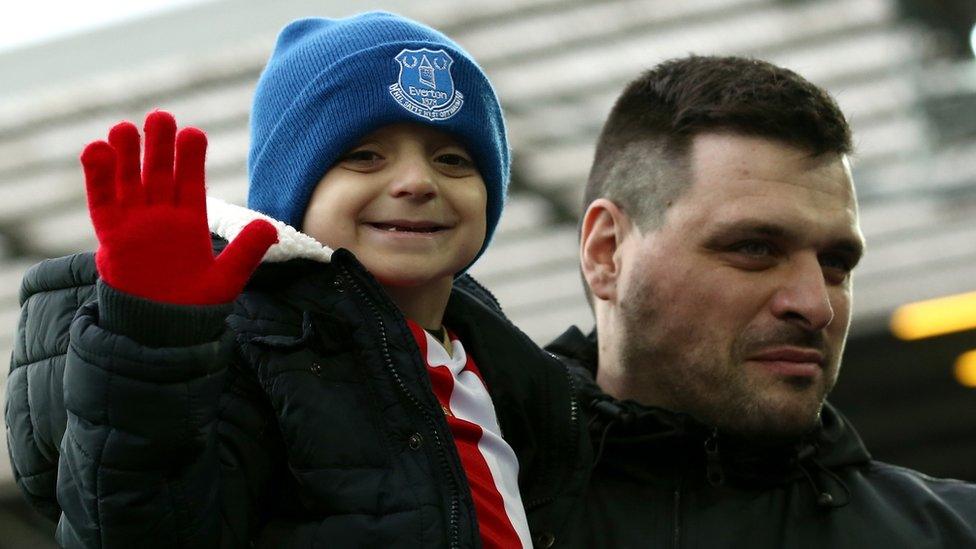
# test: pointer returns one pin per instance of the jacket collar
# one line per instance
(227, 220)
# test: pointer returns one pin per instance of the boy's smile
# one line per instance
(406, 232)
(406, 226)
(408, 201)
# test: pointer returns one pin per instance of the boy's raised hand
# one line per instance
(153, 238)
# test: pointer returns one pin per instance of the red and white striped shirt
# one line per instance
(489, 462)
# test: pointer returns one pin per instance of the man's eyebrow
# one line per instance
(748, 227)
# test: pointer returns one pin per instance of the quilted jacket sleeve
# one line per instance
(50, 294)
(166, 444)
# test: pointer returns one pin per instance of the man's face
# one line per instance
(737, 308)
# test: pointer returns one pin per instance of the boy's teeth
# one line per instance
(396, 228)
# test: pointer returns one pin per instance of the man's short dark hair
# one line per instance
(641, 157)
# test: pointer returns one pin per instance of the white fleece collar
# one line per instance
(227, 220)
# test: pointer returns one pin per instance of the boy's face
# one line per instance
(408, 201)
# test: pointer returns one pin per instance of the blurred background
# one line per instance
(903, 71)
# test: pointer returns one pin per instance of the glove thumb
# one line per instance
(237, 262)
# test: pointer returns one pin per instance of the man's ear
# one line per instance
(602, 233)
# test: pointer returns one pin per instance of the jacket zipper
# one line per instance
(713, 461)
(573, 423)
(453, 522)
(714, 474)
(676, 515)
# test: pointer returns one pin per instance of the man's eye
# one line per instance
(836, 262)
(837, 268)
(754, 248)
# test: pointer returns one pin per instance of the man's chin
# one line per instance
(774, 423)
(782, 413)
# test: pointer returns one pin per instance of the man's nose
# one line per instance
(413, 179)
(804, 298)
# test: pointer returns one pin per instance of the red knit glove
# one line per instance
(153, 238)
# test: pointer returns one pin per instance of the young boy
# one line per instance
(339, 399)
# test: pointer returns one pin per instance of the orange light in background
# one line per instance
(966, 369)
(934, 317)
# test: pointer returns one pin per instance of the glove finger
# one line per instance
(239, 259)
(157, 168)
(190, 173)
(124, 138)
(98, 161)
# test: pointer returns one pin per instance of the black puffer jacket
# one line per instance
(301, 417)
(665, 480)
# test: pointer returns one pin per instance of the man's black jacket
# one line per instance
(300, 417)
(664, 480)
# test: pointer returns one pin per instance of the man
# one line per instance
(717, 245)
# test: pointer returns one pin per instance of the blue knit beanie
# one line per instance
(331, 81)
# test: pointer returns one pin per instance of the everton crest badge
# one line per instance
(425, 86)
